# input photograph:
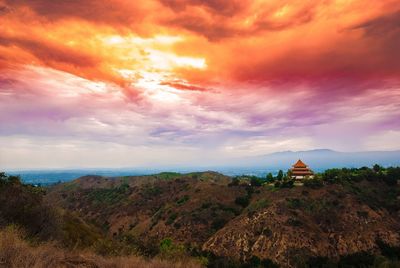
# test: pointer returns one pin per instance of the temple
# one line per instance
(301, 171)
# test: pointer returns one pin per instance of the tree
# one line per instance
(393, 174)
(377, 168)
(270, 177)
(256, 182)
(280, 175)
(234, 182)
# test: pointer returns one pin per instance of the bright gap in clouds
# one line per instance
(237, 78)
(157, 64)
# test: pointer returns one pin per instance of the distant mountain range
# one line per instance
(324, 158)
(318, 160)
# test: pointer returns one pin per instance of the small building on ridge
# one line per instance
(300, 171)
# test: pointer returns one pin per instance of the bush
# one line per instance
(287, 184)
(393, 174)
(359, 259)
(259, 204)
(242, 201)
(234, 182)
(218, 223)
(257, 182)
(294, 203)
(255, 261)
(387, 250)
(294, 222)
(315, 183)
(206, 205)
(170, 250)
(171, 218)
(183, 200)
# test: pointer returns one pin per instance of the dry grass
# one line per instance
(16, 252)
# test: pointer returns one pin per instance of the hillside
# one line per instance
(342, 218)
(291, 225)
(188, 208)
(328, 220)
(34, 233)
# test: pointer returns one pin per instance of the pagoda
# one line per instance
(301, 171)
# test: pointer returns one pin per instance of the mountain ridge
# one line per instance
(348, 212)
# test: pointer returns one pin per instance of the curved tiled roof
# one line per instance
(299, 164)
(300, 169)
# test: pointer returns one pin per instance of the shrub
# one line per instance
(393, 174)
(388, 250)
(294, 222)
(255, 261)
(277, 184)
(242, 201)
(257, 182)
(170, 250)
(315, 183)
(287, 184)
(218, 223)
(151, 191)
(109, 196)
(359, 259)
(234, 182)
(171, 218)
(206, 205)
(183, 200)
(294, 203)
(259, 204)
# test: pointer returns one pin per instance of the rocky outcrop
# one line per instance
(293, 229)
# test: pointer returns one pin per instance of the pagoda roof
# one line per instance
(299, 164)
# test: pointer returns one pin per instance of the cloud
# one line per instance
(100, 11)
(224, 7)
(51, 53)
(199, 76)
(382, 25)
(184, 86)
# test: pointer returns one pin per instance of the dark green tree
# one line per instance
(270, 177)
(280, 175)
(377, 168)
(256, 182)
(393, 174)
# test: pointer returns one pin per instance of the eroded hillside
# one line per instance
(323, 222)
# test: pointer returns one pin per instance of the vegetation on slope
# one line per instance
(36, 234)
(16, 251)
(339, 218)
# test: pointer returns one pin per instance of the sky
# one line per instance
(114, 83)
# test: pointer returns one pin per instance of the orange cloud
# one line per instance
(203, 42)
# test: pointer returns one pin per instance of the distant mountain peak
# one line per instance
(305, 151)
